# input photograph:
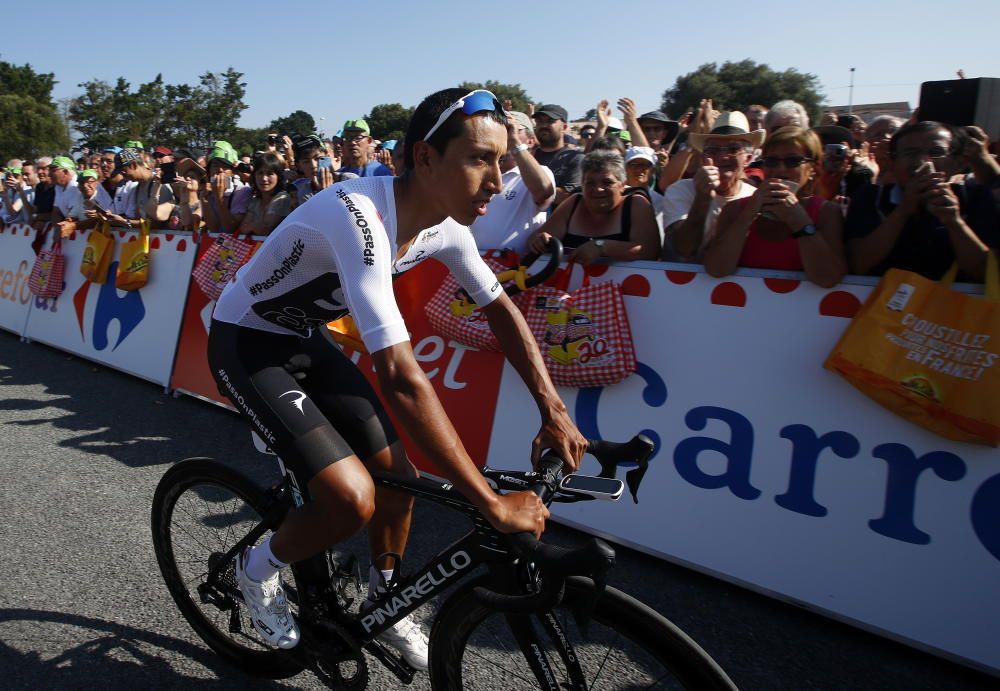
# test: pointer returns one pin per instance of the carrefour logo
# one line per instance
(128, 310)
(14, 283)
(904, 467)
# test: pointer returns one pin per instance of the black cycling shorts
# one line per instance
(302, 396)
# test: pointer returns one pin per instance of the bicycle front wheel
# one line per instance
(627, 646)
(202, 508)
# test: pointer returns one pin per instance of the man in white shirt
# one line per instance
(62, 172)
(691, 207)
(528, 189)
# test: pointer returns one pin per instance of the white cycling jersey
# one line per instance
(336, 254)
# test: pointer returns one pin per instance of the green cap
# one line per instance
(89, 173)
(134, 144)
(223, 151)
(64, 162)
(14, 171)
(623, 135)
(357, 125)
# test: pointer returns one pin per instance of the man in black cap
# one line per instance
(552, 151)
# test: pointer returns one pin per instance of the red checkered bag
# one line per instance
(584, 335)
(46, 279)
(453, 315)
(220, 262)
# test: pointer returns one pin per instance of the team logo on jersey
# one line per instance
(297, 398)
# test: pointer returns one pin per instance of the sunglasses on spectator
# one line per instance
(473, 102)
(787, 161)
(587, 134)
(355, 137)
(935, 152)
(728, 150)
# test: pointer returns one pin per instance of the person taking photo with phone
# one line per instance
(783, 225)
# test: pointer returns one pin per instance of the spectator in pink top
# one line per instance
(783, 225)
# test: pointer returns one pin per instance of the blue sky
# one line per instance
(337, 60)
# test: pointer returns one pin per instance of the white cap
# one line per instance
(615, 124)
(644, 152)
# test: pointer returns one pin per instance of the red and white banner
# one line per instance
(775, 473)
(16, 260)
(136, 331)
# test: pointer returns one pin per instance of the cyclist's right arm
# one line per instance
(412, 399)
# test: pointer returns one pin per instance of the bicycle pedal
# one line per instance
(235, 621)
(392, 661)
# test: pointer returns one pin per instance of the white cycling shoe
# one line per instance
(268, 608)
(408, 640)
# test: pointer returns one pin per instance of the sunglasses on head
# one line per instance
(473, 102)
(837, 152)
(787, 161)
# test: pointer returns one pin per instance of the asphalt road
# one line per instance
(82, 604)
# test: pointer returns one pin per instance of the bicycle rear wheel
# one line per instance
(627, 646)
(202, 508)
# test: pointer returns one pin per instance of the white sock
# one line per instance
(375, 583)
(262, 564)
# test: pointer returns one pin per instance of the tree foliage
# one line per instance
(737, 85)
(515, 93)
(159, 113)
(388, 120)
(30, 126)
(22, 80)
(299, 122)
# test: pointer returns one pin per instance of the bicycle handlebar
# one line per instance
(554, 249)
(594, 558)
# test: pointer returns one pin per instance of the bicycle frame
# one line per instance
(482, 546)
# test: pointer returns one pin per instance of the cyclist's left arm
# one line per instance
(558, 431)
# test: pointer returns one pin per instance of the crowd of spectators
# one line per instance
(758, 188)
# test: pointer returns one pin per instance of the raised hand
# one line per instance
(627, 107)
(603, 111)
(706, 180)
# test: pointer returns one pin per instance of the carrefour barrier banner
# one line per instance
(773, 472)
(135, 331)
(16, 260)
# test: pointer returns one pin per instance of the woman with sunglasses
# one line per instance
(272, 354)
(784, 225)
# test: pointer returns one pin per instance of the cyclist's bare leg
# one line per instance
(343, 501)
(390, 525)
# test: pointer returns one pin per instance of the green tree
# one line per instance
(22, 80)
(388, 120)
(736, 85)
(247, 140)
(159, 113)
(30, 128)
(514, 93)
(299, 122)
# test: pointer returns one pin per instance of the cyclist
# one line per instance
(272, 355)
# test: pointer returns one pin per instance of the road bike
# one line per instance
(520, 614)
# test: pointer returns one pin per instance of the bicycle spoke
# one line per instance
(498, 666)
(600, 669)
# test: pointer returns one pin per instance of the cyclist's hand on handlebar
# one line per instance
(519, 512)
(559, 434)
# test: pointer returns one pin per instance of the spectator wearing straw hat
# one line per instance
(528, 189)
(691, 207)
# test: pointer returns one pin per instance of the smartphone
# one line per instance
(324, 162)
(792, 186)
(168, 172)
(598, 487)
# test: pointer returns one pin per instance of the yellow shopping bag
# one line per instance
(928, 353)
(97, 254)
(133, 264)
